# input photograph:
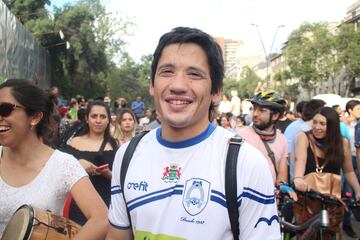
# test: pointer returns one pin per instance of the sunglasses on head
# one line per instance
(7, 108)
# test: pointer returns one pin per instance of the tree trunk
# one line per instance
(334, 88)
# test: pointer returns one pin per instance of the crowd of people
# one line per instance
(67, 157)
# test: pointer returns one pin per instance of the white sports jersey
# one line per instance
(175, 190)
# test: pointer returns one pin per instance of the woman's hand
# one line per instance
(289, 191)
(106, 172)
(89, 167)
(301, 184)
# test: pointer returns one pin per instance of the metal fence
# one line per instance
(20, 55)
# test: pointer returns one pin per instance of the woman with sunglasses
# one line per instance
(95, 149)
(33, 173)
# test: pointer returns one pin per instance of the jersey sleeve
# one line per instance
(118, 217)
(258, 217)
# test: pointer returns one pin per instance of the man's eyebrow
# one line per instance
(197, 69)
(166, 65)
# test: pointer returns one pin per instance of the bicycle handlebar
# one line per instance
(325, 199)
(315, 220)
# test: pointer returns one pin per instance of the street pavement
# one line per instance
(356, 227)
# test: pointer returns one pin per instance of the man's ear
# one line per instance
(151, 88)
(276, 116)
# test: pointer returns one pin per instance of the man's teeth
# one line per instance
(2, 128)
(178, 102)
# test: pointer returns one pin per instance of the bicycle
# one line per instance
(317, 225)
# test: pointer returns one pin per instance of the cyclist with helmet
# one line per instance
(268, 107)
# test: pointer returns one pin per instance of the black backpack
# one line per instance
(230, 177)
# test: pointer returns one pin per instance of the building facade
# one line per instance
(232, 56)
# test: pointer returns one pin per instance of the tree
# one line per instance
(310, 55)
(281, 79)
(131, 79)
(246, 84)
(85, 63)
(248, 81)
(94, 39)
(348, 54)
(27, 10)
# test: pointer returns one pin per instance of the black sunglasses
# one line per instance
(7, 108)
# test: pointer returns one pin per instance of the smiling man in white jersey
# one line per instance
(174, 186)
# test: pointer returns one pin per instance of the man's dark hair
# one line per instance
(351, 104)
(310, 108)
(299, 106)
(211, 48)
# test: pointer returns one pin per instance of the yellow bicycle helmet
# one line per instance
(269, 99)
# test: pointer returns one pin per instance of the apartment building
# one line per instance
(231, 51)
(353, 15)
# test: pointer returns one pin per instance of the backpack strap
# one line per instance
(126, 162)
(271, 156)
(231, 183)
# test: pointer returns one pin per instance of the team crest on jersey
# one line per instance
(171, 173)
(196, 195)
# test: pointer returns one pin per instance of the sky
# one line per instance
(230, 19)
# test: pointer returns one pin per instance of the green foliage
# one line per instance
(348, 52)
(131, 79)
(281, 79)
(229, 84)
(306, 53)
(248, 81)
(293, 90)
(246, 84)
(27, 10)
(315, 56)
(2, 79)
(85, 62)
(95, 37)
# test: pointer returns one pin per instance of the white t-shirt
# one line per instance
(225, 107)
(48, 191)
(236, 104)
(246, 105)
(143, 121)
(176, 189)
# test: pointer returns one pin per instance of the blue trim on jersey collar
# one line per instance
(188, 142)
